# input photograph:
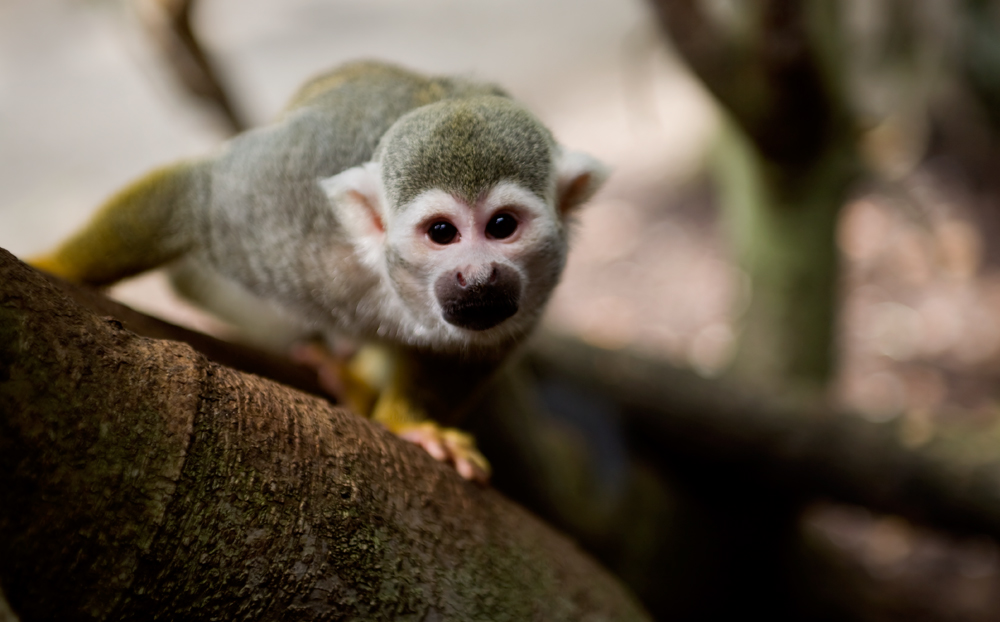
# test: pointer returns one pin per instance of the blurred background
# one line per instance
(805, 194)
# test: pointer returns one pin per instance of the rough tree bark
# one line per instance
(139, 480)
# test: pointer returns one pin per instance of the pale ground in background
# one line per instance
(85, 106)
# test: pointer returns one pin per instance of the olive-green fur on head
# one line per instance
(465, 147)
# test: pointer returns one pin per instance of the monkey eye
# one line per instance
(442, 232)
(501, 226)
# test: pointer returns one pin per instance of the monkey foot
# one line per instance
(448, 445)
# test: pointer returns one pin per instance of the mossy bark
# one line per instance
(138, 480)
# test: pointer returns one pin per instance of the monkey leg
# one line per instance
(407, 421)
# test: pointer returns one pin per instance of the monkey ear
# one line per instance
(578, 177)
(357, 198)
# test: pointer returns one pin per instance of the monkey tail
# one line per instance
(140, 228)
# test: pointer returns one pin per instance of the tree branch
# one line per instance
(169, 24)
(139, 480)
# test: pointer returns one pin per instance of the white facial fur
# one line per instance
(393, 242)
(416, 261)
(408, 230)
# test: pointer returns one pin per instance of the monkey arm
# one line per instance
(398, 388)
(141, 227)
(401, 416)
(422, 383)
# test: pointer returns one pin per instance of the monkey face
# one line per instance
(460, 268)
(479, 273)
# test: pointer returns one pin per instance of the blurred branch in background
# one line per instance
(169, 25)
(703, 498)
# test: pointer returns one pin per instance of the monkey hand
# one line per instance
(354, 384)
(448, 445)
(407, 421)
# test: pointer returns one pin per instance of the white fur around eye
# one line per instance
(510, 194)
(537, 218)
(409, 221)
(427, 204)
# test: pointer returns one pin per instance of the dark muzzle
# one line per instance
(481, 301)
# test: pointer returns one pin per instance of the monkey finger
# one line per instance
(457, 441)
(435, 448)
(428, 437)
(452, 446)
(469, 463)
(469, 470)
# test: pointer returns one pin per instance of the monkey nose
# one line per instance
(478, 277)
(479, 299)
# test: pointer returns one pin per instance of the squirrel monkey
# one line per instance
(423, 218)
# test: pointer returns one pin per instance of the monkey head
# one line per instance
(463, 215)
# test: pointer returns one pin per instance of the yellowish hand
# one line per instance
(367, 385)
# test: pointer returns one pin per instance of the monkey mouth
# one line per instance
(480, 314)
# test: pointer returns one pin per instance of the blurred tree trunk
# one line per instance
(786, 162)
(782, 226)
(979, 54)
